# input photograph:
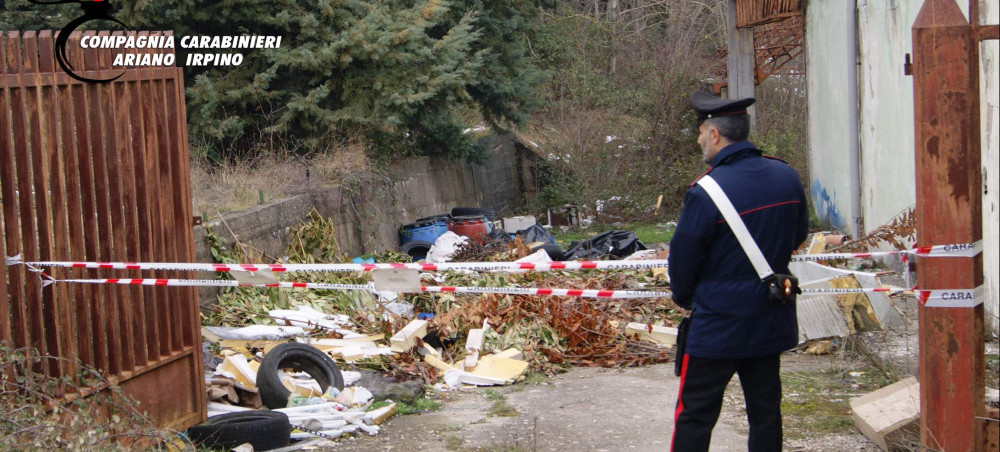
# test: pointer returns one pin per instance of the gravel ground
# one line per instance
(597, 409)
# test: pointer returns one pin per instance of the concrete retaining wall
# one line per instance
(367, 214)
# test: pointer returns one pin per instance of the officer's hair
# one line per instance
(732, 127)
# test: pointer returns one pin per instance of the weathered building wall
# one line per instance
(826, 58)
(886, 111)
(989, 79)
(886, 120)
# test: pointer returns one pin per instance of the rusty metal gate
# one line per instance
(99, 172)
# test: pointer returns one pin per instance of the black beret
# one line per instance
(708, 106)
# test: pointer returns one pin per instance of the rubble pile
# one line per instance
(441, 340)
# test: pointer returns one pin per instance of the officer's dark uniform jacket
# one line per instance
(710, 272)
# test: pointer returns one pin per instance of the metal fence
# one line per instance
(99, 172)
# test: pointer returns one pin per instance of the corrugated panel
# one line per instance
(884, 308)
(820, 316)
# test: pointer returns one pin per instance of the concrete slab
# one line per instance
(890, 416)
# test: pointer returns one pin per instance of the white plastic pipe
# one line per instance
(333, 424)
(320, 417)
(302, 435)
(308, 408)
(222, 407)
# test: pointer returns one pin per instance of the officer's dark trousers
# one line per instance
(699, 400)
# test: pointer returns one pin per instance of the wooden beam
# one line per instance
(662, 335)
(949, 211)
(741, 62)
(379, 415)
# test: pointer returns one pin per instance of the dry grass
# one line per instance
(236, 186)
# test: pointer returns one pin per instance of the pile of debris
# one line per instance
(303, 389)
(312, 355)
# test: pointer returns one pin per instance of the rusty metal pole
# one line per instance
(949, 203)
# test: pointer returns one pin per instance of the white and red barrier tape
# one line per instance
(847, 290)
(953, 250)
(586, 293)
(950, 298)
(930, 298)
(279, 268)
(939, 297)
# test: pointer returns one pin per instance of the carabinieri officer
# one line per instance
(734, 328)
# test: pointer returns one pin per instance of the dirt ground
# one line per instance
(593, 409)
(583, 409)
(598, 409)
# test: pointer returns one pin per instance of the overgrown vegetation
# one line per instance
(41, 412)
(313, 241)
(421, 405)
(500, 407)
(618, 131)
(819, 401)
(647, 233)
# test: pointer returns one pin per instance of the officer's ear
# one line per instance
(714, 136)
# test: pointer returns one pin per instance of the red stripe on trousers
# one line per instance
(680, 402)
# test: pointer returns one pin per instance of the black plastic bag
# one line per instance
(619, 244)
(535, 233)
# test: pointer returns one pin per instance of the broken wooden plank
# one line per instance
(662, 335)
(817, 244)
(236, 366)
(379, 415)
(472, 347)
(438, 363)
(360, 345)
(406, 338)
(248, 344)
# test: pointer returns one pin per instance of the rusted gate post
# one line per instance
(949, 205)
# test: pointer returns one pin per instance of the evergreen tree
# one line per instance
(404, 72)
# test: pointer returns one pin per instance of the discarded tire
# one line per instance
(264, 430)
(434, 218)
(470, 211)
(301, 358)
(417, 249)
